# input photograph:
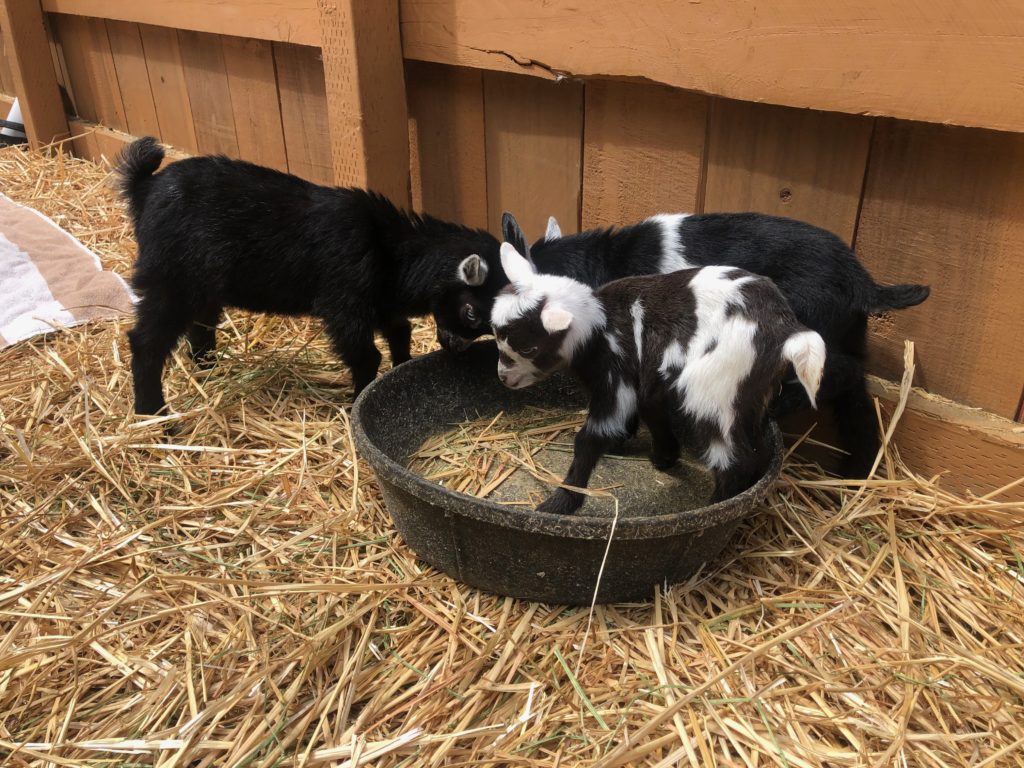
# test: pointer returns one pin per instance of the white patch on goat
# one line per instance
(637, 313)
(719, 355)
(672, 357)
(719, 454)
(613, 343)
(513, 305)
(672, 251)
(553, 291)
(615, 424)
(806, 351)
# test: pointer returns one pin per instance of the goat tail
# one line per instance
(897, 296)
(135, 167)
(806, 351)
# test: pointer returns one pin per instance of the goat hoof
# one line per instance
(559, 503)
(663, 461)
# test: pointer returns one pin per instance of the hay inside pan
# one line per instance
(236, 595)
(518, 459)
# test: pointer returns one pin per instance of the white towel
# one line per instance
(48, 279)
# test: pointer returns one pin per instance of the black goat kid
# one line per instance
(828, 289)
(214, 233)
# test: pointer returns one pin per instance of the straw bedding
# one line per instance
(235, 595)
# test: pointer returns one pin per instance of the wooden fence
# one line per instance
(478, 106)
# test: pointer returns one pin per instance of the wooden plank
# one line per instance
(6, 73)
(35, 82)
(254, 101)
(6, 102)
(974, 451)
(72, 34)
(60, 67)
(133, 78)
(102, 145)
(448, 161)
(92, 73)
(300, 80)
(788, 162)
(642, 151)
(366, 95)
(170, 91)
(295, 21)
(209, 96)
(104, 75)
(944, 61)
(943, 206)
(534, 133)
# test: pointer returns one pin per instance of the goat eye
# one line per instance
(470, 317)
(530, 352)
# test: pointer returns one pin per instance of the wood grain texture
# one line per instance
(34, 81)
(208, 93)
(133, 78)
(6, 102)
(787, 162)
(295, 21)
(942, 61)
(6, 73)
(72, 35)
(366, 107)
(91, 70)
(300, 79)
(170, 91)
(642, 151)
(943, 206)
(534, 144)
(254, 101)
(448, 160)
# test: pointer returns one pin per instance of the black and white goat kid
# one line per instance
(214, 233)
(696, 354)
(827, 288)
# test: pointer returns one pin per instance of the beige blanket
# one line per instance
(48, 279)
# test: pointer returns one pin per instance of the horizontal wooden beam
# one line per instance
(286, 21)
(6, 102)
(944, 61)
(103, 145)
(971, 449)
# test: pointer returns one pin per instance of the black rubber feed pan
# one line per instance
(520, 552)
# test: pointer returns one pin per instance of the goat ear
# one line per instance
(555, 319)
(517, 269)
(513, 233)
(553, 231)
(472, 270)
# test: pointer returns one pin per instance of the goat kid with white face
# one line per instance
(697, 354)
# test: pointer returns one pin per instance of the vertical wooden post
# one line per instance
(362, 50)
(35, 82)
